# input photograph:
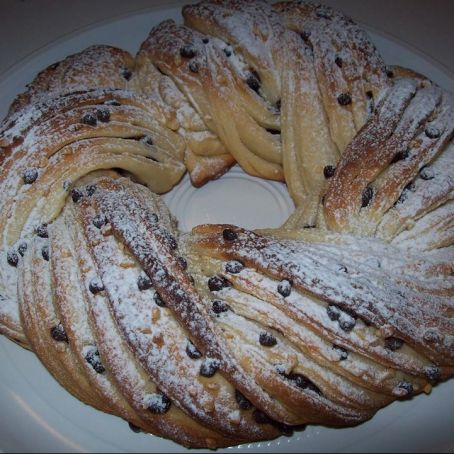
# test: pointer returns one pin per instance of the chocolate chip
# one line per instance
(338, 62)
(234, 267)
(158, 403)
(227, 52)
(154, 218)
(344, 99)
(205, 40)
(99, 221)
(229, 235)
(42, 232)
(366, 196)
(426, 173)
(284, 288)
(433, 373)
(432, 132)
(406, 386)
(328, 171)
(113, 102)
(260, 417)
(393, 343)
(171, 241)
(370, 94)
(22, 248)
(389, 72)
(45, 253)
(253, 82)
(144, 282)
(30, 176)
(194, 67)
(12, 258)
(346, 322)
(147, 140)
(216, 283)
(187, 51)
(126, 73)
(218, 306)
(192, 351)
(343, 354)
(89, 119)
(333, 312)
(134, 428)
(209, 367)
(343, 268)
(76, 195)
(91, 189)
(158, 300)
(242, 402)
(266, 339)
(183, 263)
(58, 333)
(92, 357)
(103, 115)
(95, 286)
(303, 382)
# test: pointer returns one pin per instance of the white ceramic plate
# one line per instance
(37, 415)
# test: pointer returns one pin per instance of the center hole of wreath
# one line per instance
(235, 198)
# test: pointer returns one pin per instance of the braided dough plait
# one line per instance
(225, 336)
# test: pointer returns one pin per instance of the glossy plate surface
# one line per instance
(36, 414)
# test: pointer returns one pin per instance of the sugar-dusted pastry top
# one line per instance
(225, 336)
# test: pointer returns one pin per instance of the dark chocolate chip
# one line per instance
(284, 288)
(366, 196)
(261, 418)
(216, 283)
(242, 402)
(22, 248)
(205, 40)
(134, 428)
(92, 357)
(192, 351)
(126, 73)
(89, 119)
(393, 343)
(370, 94)
(333, 312)
(303, 382)
(183, 263)
(144, 282)
(389, 73)
(187, 51)
(209, 367)
(91, 189)
(154, 218)
(328, 171)
(158, 300)
(433, 373)
(229, 235)
(58, 333)
(346, 322)
(344, 99)
(30, 176)
(227, 52)
(103, 115)
(194, 67)
(343, 354)
(267, 339)
(42, 232)
(432, 132)
(45, 253)
(95, 286)
(99, 221)
(338, 62)
(253, 83)
(426, 173)
(400, 156)
(218, 306)
(234, 266)
(158, 403)
(12, 258)
(406, 386)
(76, 195)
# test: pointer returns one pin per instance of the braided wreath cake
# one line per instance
(224, 335)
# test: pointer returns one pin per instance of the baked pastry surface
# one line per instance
(224, 336)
